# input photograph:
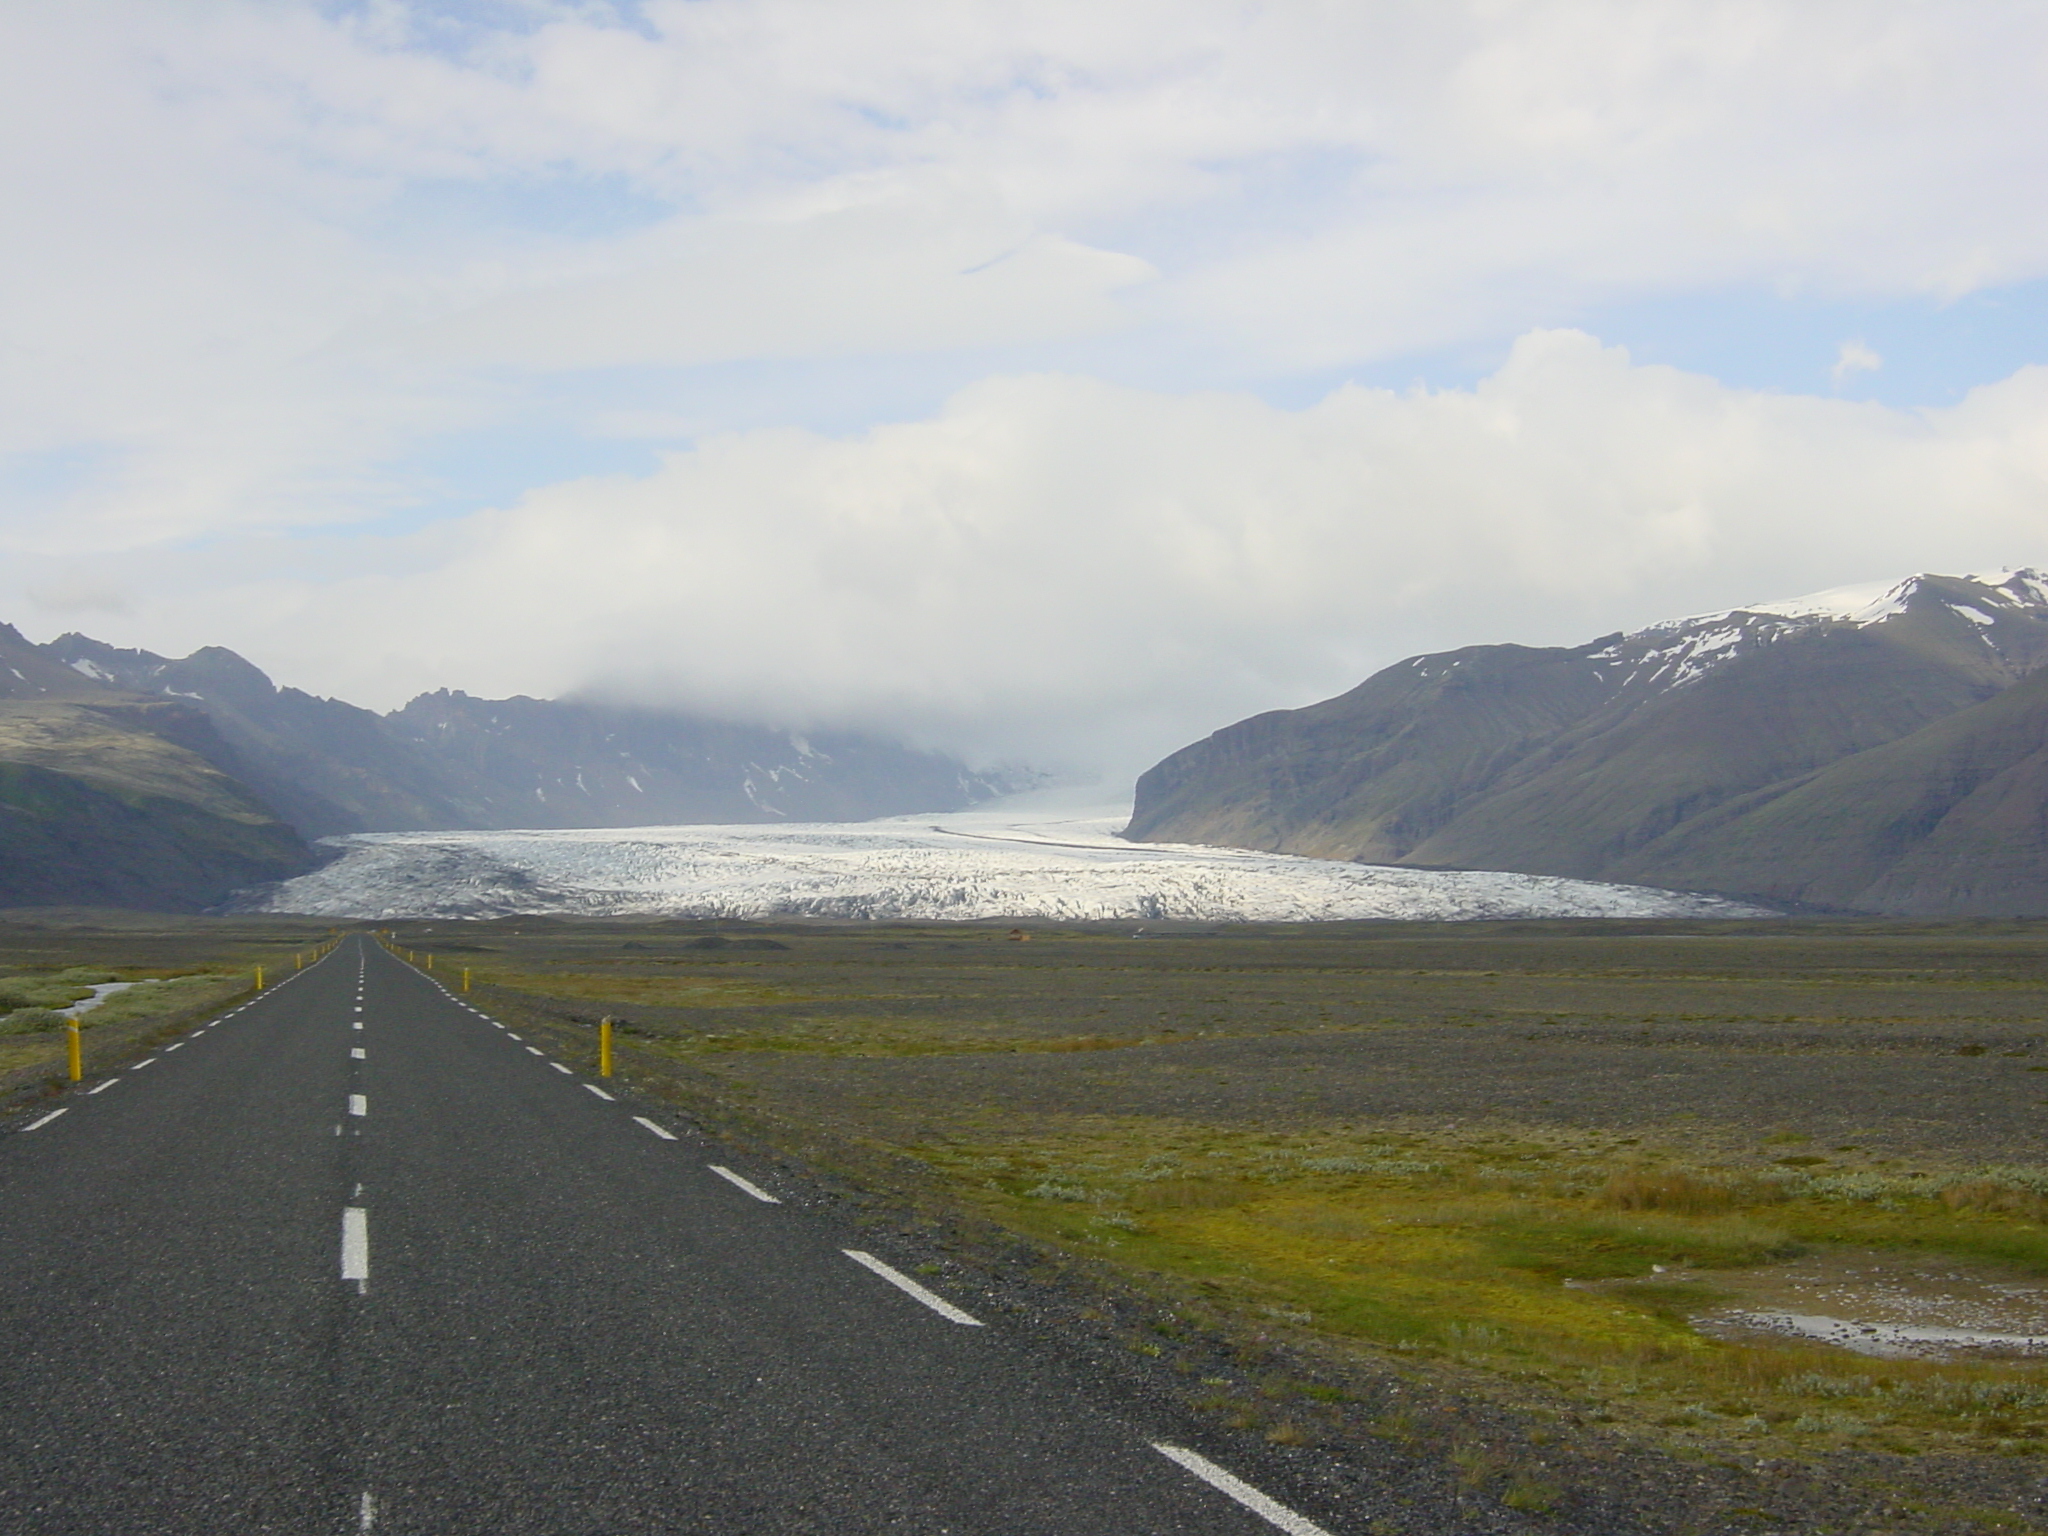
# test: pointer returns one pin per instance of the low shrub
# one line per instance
(29, 1021)
(1990, 1195)
(1191, 1194)
(1639, 1190)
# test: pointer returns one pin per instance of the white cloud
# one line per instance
(897, 277)
(261, 249)
(1854, 357)
(1052, 565)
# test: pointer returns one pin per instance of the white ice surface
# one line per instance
(1031, 859)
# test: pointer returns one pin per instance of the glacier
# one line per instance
(994, 862)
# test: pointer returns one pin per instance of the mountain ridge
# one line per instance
(129, 778)
(1649, 757)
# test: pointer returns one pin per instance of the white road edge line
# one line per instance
(35, 1125)
(910, 1287)
(355, 1244)
(1272, 1511)
(358, 1104)
(601, 1093)
(747, 1184)
(664, 1135)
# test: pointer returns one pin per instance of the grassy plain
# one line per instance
(184, 969)
(1457, 1194)
(1516, 1159)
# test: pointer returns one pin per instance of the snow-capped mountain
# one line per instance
(2006, 613)
(1864, 748)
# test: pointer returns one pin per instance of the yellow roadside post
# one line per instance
(298, 961)
(604, 1047)
(259, 978)
(71, 1046)
(430, 962)
(465, 978)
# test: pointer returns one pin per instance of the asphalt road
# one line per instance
(355, 1257)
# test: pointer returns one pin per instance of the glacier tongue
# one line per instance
(971, 865)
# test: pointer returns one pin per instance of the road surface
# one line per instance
(356, 1257)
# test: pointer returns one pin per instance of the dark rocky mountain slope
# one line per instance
(324, 765)
(523, 762)
(449, 761)
(178, 781)
(1875, 751)
(116, 801)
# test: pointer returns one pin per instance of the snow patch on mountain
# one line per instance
(2024, 585)
(1677, 652)
(962, 867)
(1874, 602)
(1864, 604)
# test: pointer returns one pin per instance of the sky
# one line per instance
(1051, 383)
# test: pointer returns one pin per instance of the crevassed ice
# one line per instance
(967, 866)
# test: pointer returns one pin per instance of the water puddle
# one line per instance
(1890, 1305)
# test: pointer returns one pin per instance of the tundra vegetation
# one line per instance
(177, 970)
(1500, 1196)
(1532, 1161)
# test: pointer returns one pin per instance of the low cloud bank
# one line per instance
(1088, 575)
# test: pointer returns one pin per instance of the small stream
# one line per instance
(100, 993)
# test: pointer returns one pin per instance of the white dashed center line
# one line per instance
(910, 1287)
(355, 1244)
(142, 1063)
(1272, 1511)
(533, 1050)
(357, 1053)
(178, 1046)
(664, 1135)
(358, 1104)
(591, 1086)
(747, 1184)
(103, 1087)
(36, 1125)
(357, 1025)
(559, 1067)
